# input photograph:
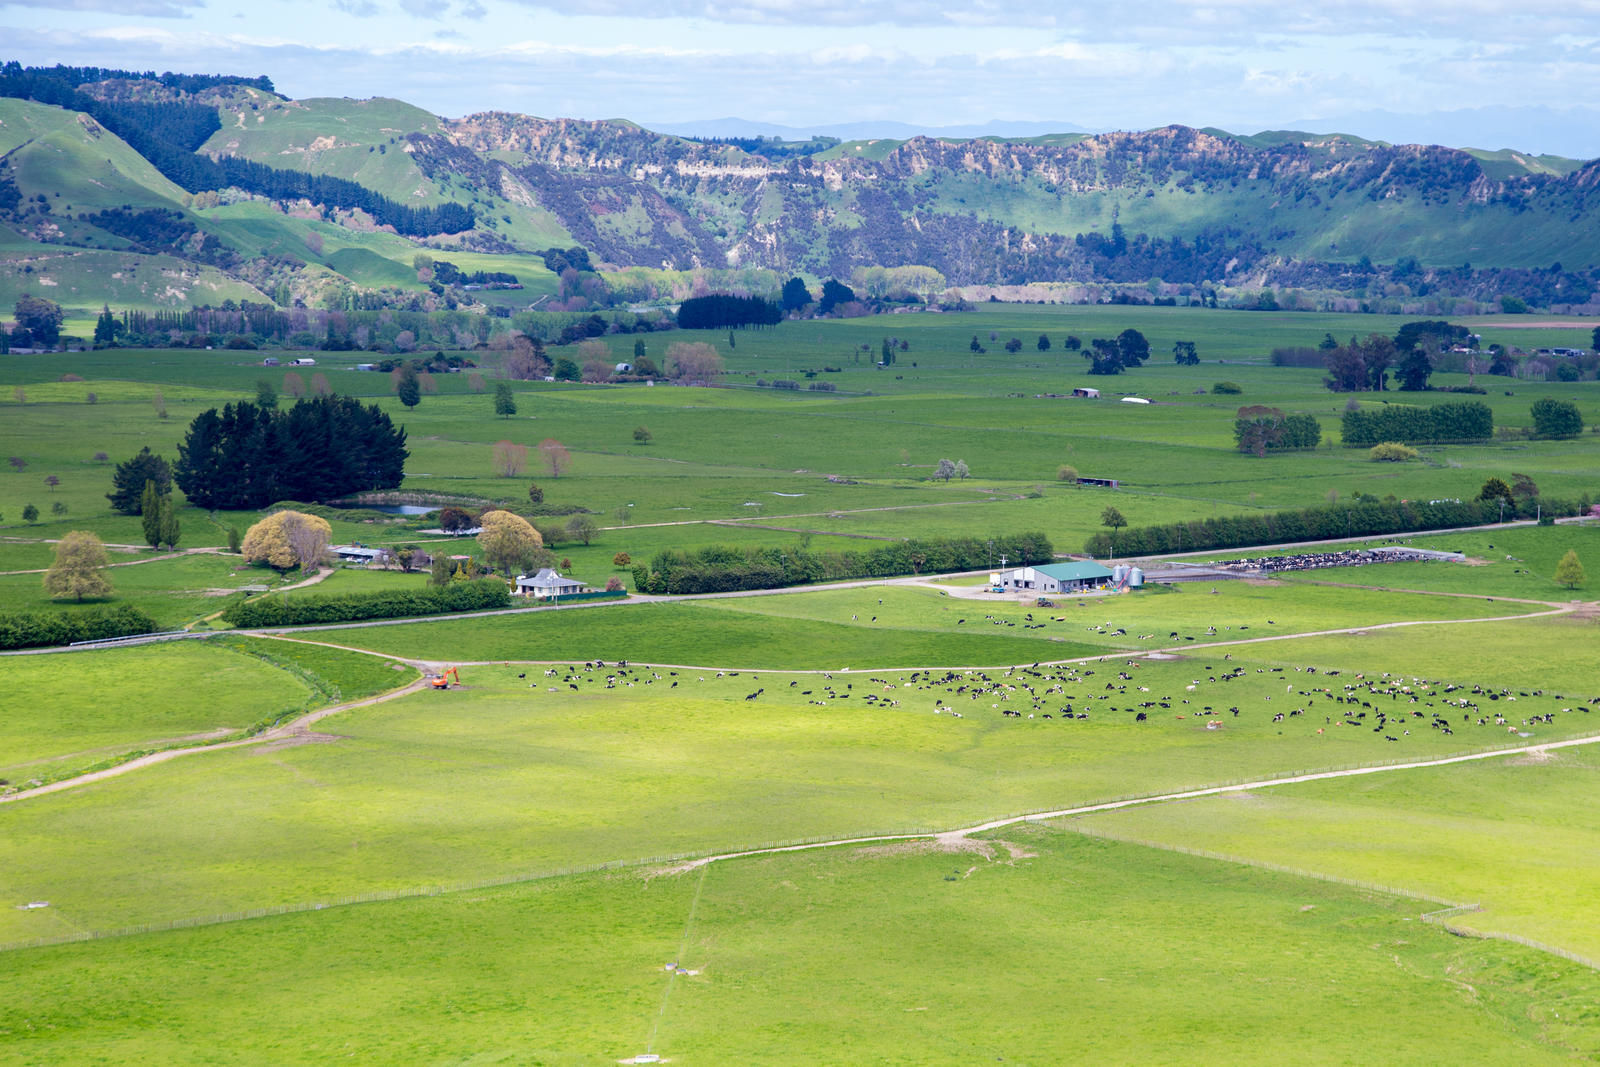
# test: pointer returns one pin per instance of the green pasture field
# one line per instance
(1236, 611)
(1516, 561)
(696, 633)
(78, 708)
(715, 451)
(815, 630)
(361, 580)
(174, 591)
(1516, 834)
(830, 955)
(82, 708)
(336, 673)
(519, 775)
(1076, 950)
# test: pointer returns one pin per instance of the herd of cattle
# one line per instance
(1305, 561)
(1383, 704)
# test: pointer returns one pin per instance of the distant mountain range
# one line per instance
(194, 190)
(860, 131)
(1574, 132)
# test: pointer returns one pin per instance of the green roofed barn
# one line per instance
(1055, 578)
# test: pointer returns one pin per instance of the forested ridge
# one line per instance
(168, 132)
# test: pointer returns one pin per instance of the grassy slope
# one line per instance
(844, 955)
(81, 708)
(1516, 835)
(364, 141)
(51, 150)
(78, 708)
(83, 168)
(516, 775)
(332, 136)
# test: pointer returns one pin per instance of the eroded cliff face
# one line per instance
(640, 197)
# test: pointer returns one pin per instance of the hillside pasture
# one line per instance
(521, 775)
(1516, 835)
(899, 954)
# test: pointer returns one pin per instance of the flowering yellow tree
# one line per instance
(288, 539)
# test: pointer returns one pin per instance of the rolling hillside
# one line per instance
(1195, 208)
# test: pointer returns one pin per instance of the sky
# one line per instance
(1489, 73)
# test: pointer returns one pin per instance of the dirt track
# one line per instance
(291, 732)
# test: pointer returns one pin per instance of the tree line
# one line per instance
(50, 628)
(248, 456)
(727, 311)
(1358, 518)
(1458, 420)
(725, 568)
(474, 595)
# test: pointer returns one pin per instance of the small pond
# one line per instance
(397, 509)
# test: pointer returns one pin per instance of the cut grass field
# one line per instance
(1074, 950)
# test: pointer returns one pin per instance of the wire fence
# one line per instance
(1437, 918)
(434, 890)
(1267, 865)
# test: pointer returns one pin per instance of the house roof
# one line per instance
(1072, 572)
(547, 578)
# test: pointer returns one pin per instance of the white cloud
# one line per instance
(161, 9)
(1238, 64)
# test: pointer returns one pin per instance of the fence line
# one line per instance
(1433, 918)
(399, 893)
(1267, 865)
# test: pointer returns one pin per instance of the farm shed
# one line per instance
(1086, 393)
(1054, 578)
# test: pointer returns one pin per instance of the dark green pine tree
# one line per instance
(408, 388)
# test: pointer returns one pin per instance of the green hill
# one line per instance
(69, 157)
(1338, 215)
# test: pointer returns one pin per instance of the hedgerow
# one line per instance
(45, 629)
(1329, 522)
(726, 568)
(269, 611)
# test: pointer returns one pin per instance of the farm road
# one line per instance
(293, 731)
(210, 550)
(953, 836)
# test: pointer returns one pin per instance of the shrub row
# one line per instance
(1356, 519)
(725, 568)
(481, 595)
(45, 629)
(1455, 420)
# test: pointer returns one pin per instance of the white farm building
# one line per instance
(1055, 578)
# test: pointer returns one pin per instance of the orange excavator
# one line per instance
(442, 681)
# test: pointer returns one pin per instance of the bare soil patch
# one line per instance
(295, 740)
